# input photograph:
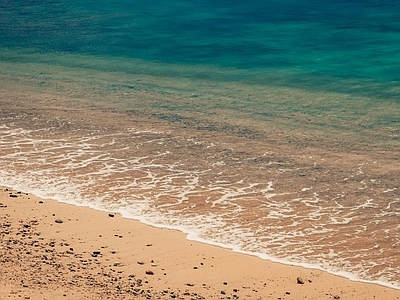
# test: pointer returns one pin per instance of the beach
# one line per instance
(200, 150)
(284, 195)
(51, 250)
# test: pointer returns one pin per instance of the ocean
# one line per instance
(268, 127)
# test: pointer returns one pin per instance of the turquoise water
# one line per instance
(270, 127)
(324, 42)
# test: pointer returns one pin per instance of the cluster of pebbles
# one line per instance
(36, 266)
(34, 263)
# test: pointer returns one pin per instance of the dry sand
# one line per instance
(50, 250)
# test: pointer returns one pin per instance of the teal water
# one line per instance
(325, 42)
(271, 127)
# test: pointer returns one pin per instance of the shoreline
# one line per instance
(112, 252)
(189, 236)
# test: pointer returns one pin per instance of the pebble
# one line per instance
(96, 253)
(59, 221)
(300, 280)
(149, 272)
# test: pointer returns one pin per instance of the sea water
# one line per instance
(269, 127)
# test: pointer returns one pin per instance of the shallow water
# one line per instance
(271, 128)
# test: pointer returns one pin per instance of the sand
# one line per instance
(51, 250)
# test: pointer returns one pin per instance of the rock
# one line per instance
(96, 253)
(149, 272)
(140, 262)
(2, 205)
(111, 215)
(13, 196)
(336, 297)
(59, 221)
(300, 280)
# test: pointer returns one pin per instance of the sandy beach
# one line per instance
(51, 250)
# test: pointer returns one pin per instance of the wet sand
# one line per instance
(50, 250)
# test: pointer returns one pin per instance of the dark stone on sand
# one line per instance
(149, 272)
(96, 253)
(223, 292)
(225, 283)
(59, 221)
(13, 196)
(287, 293)
(2, 205)
(336, 297)
(300, 280)
(40, 202)
(111, 215)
